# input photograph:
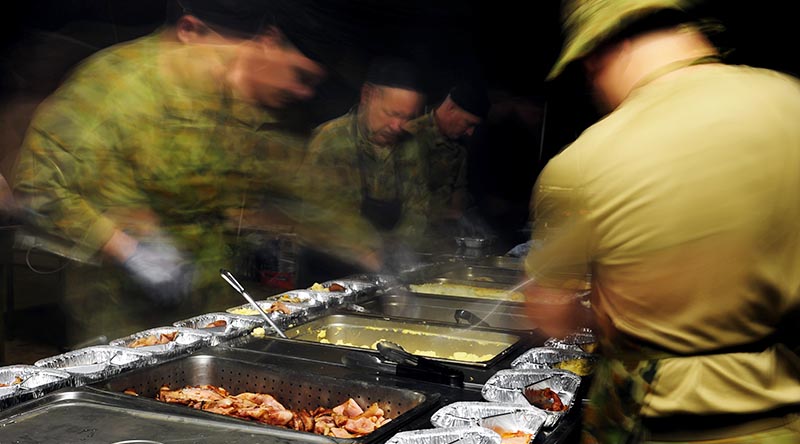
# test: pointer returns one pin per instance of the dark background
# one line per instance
(509, 45)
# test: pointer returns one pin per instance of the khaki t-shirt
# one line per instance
(683, 205)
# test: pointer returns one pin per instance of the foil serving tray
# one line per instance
(235, 325)
(19, 383)
(97, 362)
(496, 416)
(575, 361)
(186, 340)
(465, 346)
(298, 313)
(509, 386)
(584, 341)
(448, 435)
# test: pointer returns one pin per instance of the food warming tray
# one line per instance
(448, 343)
(88, 416)
(467, 289)
(294, 389)
(495, 314)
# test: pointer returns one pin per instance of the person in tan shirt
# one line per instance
(681, 205)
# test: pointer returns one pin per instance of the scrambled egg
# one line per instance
(259, 332)
(579, 366)
(467, 291)
(244, 311)
(318, 287)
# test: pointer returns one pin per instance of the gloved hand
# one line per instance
(520, 250)
(162, 272)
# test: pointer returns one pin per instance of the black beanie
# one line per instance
(472, 98)
(395, 73)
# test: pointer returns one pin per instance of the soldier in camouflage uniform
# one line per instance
(364, 163)
(681, 204)
(442, 133)
(132, 165)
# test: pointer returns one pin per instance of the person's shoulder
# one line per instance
(419, 125)
(334, 128)
(123, 57)
(331, 139)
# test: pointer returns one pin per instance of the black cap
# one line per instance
(245, 17)
(472, 98)
(394, 72)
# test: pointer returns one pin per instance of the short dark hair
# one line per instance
(241, 18)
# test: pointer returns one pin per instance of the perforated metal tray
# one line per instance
(294, 389)
(87, 416)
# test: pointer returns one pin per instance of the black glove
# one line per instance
(161, 271)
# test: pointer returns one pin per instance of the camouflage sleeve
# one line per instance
(70, 162)
(54, 175)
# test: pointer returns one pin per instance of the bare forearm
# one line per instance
(120, 246)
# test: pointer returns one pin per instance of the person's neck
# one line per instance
(438, 117)
(658, 56)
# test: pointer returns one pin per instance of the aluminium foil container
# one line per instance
(186, 341)
(509, 386)
(497, 416)
(25, 382)
(235, 325)
(573, 360)
(97, 362)
(447, 435)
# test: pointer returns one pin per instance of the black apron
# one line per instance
(383, 214)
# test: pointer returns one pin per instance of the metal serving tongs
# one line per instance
(418, 367)
(470, 317)
(239, 288)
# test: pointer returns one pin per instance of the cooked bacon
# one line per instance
(217, 323)
(361, 426)
(336, 287)
(347, 420)
(261, 399)
(151, 340)
(545, 399)
(372, 411)
(17, 381)
(339, 432)
(518, 437)
(278, 306)
(349, 408)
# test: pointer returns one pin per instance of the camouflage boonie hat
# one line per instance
(588, 23)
